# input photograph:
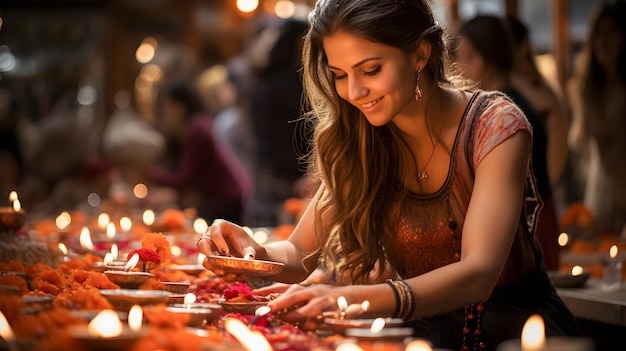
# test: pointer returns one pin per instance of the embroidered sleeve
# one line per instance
(499, 121)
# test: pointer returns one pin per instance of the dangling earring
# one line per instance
(418, 90)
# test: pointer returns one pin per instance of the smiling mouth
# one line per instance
(372, 103)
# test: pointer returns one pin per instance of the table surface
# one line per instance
(592, 302)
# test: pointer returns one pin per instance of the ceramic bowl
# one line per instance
(245, 266)
(242, 307)
(124, 341)
(341, 325)
(566, 280)
(177, 287)
(124, 299)
(128, 280)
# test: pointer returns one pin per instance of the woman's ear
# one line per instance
(422, 54)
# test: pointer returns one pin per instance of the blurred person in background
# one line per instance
(598, 133)
(275, 106)
(486, 56)
(207, 174)
(11, 161)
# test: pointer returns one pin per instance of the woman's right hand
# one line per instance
(227, 239)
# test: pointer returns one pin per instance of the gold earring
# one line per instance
(418, 90)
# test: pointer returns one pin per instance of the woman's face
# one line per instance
(377, 79)
(469, 60)
(607, 43)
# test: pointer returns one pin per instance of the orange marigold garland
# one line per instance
(159, 243)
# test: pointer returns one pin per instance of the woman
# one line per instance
(598, 126)
(207, 173)
(492, 66)
(420, 176)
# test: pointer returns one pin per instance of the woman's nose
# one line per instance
(356, 90)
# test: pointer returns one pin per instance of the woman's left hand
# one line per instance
(300, 303)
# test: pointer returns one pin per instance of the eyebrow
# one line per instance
(357, 64)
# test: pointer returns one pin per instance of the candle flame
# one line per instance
(63, 249)
(131, 263)
(17, 206)
(103, 220)
(125, 224)
(135, 318)
(85, 239)
(189, 299)
(63, 220)
(148, 217)
(342, 303)
(577, 270)
(106, 324)
(418, 345)
(613, 251)
(5, 329)
(563, 239)
(262, 311)
(114, 252)
(176, 251)
(201, 258)
(348, 346)
(108, 258)
(200, 226)
(377, 325)
(533, 334)
(365, 305)
(110, 231)
(249, 340)
(12, 196)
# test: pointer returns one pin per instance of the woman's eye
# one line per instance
(340, 76)
(372, 72)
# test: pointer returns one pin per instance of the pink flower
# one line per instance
(145, 255)
(237, 289)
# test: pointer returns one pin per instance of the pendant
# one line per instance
(422, 176)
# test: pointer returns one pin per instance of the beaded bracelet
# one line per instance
(410, 306)
(405, 299)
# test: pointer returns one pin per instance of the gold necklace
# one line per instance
(423, 176)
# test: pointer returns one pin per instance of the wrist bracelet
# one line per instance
(397, 295)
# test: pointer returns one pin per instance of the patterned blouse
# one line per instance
(430, 230)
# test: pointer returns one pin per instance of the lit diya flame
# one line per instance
(176, 251)
(108, 258)
(378, 325)
(131, 263)
(114, 252)
(533, 334)
(200, 226)
(248, 339)
(349, 346)
(613, 252)
(418, 345)
(125, 224)
(110, 231)
(148, 217)
(577, 270)
(342, 303)
(135, 318)
(5, 329)
(12, 196)
(63, 220)
(563, 239)
(356, 309)
(17, 206)
(258, 313)
(189, 299)
(103, 220)
(85, 239)
(201, 258)
(106, 325)
(63, 249)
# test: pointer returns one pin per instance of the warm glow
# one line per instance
(418, 345)
(63, 220)
(108, 258)
(145, 52)
(284, 8)
(5, 329)
(114, 251)
(12, 196)
(342, 303)
(85, 239)
(201, 258)
(189, 299)
(262, 311)
(577, 270)
(103, 220)
(176, 251)
(200, 226)
(63, 249)
(110, 231)
(348, 346)
(613, 251)
(106, 324)
(135, 317)
(125, 224)
(249, 340)
(260, 236)
(533, 334)
(150, 73)
(377, 325)
(247, 6)
(140, 190)
(17, 206)
(365, 305)
(131, 263)
(148, 217)
(563, 239)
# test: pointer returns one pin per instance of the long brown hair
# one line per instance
(360, 164)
